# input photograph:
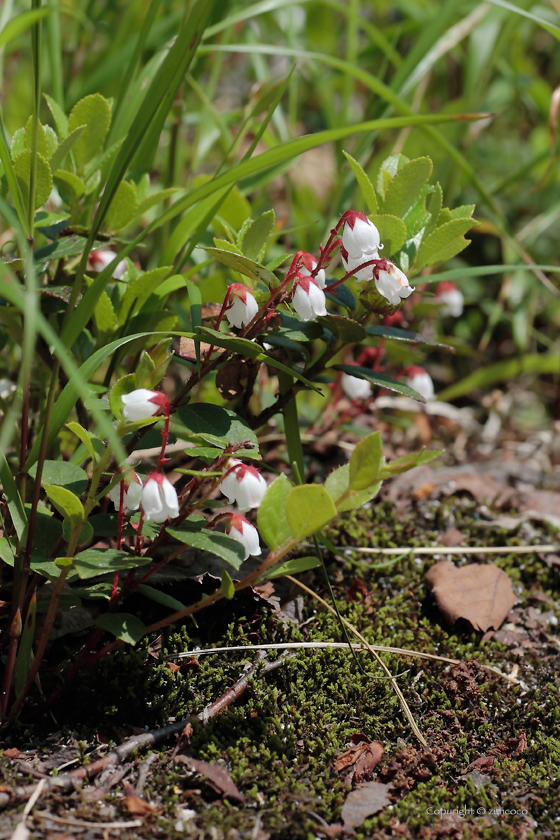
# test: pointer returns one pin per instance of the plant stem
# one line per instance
(36, 52)
(291, 427)
(51, 615)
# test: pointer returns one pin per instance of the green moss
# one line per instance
(280, 741)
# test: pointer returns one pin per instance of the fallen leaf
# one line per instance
(185, 348)
(185, 737)
(363, 802)
(368, 761)
(139, 807)
(480, 593)
(216, 776)
(452, 538)
(11, 753)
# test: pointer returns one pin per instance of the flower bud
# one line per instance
(448, 294)
(243, 306)
(142, 404)
(159, 499)
(350, 263)
(245, 533)
(98, 260)
(132, 493)
(243, 485)
(360, 236)
(393, 284)
(308, 299)
(421, 381)
(309, 264)
(355, 388)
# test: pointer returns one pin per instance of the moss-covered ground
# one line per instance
(280, 740)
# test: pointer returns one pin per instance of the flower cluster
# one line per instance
(241, 483)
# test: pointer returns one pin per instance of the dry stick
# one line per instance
(68, 781)
(442, 549)
(344, 646)
(394, 683)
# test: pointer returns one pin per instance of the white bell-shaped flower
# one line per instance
(350, 263)
(355, 388)
(309, 264)
(159, 499)
(245, 533)
(132, 492)
(243, 306)
(243, 485)
(98, 260)
(142, 404)
(308, 299)
(452, 298)
(393, 284)
(420, 381)
(359, 235)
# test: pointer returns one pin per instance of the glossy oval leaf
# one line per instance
(271, 516)
(365, 462)
(124, 626)
(308, 508)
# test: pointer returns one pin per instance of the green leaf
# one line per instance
(222, 545)
(143, 371)
(271, 517)
(100, 561)
(13, 499)
(407, 462)
(125, 385)
(65, 147)
(294, 567)
(244, 265)
(227, 586)
(444, 242)
(255, 237)
(18, 142)
(398, 334)
(380, 379)
(215, 423)
(126, 627)
(66, 246)
(25, 647)
(93, 112)
(156, 198)
(388, 170)
(66, 503)
(22, 168)
(123, 208)
(337, 486)
(20, 23)
(140, 289)
(507, 370)
(69, 185)
(42, 146)
(392, 233)
(93, 444)
(345, 330)
(160, 597)
(417, 217)
(364, 183)
(308, 508)
(403, 190)
(104, 315)
(60, 118)
(365, 462)
(63, 474)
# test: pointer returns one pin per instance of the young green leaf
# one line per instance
(44, 184)
(65, 147)
(364, 183)
(337, 486)
(403, 190)
(126, 627)
(444, 242)
(294, 567)
(392, 233)
(254, 240)
(227, 586)
(407, 462)
(365, 462)
(271, 517)
(124, 207)
(308, 508)
(66, 503)
(93, 112)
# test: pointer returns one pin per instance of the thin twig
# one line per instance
(442, 549)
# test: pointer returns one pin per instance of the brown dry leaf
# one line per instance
(452, 538)
(139, 807)
(11, 753)
(363, 803)
(233, 378)
(216, 776)
(481, 594)
(185, 348)
(368, 761)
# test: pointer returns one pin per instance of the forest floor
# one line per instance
(319, 746)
